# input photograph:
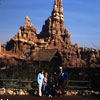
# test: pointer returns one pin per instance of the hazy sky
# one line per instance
(82, 18)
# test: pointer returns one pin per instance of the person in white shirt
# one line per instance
(40, 82)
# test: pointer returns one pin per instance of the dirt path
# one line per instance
(5, 97)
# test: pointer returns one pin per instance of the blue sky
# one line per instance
(82, 18)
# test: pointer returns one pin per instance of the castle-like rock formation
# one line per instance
(25, 38)
(27, 33)
(54, 31)
(54, 35)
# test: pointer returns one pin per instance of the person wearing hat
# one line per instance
(63, 76)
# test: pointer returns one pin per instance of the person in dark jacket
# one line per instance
(51, 86)
(63, 76)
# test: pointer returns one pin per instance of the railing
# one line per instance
(78, 84)
(14, 83)
(18, 80)
(17, 83)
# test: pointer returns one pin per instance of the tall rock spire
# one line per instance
(55, 2)
(54, 26)
(61, 10)
(28, 32)
(57, 12)
(60, 3)
(26, 35)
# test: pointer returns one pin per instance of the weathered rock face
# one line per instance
(90, 56)
(24, 39)
(56, 36)
(53, 35)
(54, 31)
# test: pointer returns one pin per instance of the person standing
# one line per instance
(63, 76)
(40, 78)
(56, 83)
(56, 79)
(51, 86)
(45, 84)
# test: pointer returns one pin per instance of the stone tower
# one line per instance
(54, 28)
(26, 33)
(25, 38)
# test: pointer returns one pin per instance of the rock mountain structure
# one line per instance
(54, 35)
(25, 37)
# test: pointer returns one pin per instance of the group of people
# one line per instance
(50, 84)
